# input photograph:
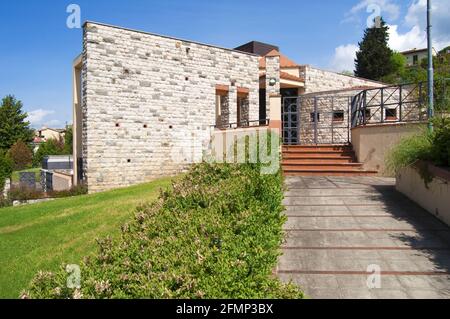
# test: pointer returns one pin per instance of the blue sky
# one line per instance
(37, 48)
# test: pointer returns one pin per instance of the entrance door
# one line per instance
(291, 123)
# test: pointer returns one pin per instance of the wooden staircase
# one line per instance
(322, 160)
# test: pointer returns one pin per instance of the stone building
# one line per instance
(145, 105)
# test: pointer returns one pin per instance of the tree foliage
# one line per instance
(374, 58)
(68, 141)
(51, 147)
(6, 169)
(21, 156)
(13, 124)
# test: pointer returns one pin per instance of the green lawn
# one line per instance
(16, 178)
(43, 236)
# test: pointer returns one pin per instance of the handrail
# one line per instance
(243, 124)
(404, 98)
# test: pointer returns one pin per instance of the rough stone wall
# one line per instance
(224, 118)
(328, 131)
(149, 102)
(272, 72)
(317, 80)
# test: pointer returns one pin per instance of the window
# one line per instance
(338, 116)
(242, 110)
(222, 119)
(415, 59)
(313, 117)
(391, 114)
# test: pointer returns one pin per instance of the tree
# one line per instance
(5, 169)
(68, 141)
(399, 72)
(374, 58)
(51, 147)
(13, 124)
(20, 155)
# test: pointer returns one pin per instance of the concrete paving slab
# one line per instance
(338, 226)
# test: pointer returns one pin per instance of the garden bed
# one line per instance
(217, 234)
(427, 185)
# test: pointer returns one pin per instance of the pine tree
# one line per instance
(13, 124)
(373, 60)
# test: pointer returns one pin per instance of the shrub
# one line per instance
(5, 169)
(433, 147)
(74, 191)
(440, 142)
(23, 193)
(216, 234)
(5, 202)
(409, 151)
(21, 156)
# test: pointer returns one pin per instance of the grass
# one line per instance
(15, 178)
(45, 235)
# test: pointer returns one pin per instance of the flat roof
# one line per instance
(166, 37)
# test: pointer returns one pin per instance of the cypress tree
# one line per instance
(373, 60)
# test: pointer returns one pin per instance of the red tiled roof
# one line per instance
(285, 62)
(290, 77)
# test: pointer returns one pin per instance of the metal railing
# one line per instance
(397, 103)
(244, 124)
(316, 119)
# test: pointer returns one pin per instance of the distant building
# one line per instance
(46, 133)
(415, 56)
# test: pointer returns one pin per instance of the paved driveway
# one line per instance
(340, 227)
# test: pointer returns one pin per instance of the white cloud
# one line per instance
(414, 21)
(344, 58)
(416, 18)
(37, 117)
(415, 38)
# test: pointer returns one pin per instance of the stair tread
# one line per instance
(329, 170)
(321, 164)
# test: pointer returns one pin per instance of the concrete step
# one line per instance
(318, 156)
(328, 172)
(318, 160)
(321, 166)
(311, 153)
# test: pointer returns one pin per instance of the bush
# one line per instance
(216, 234)
(5, 202)
(440, 142)
(433, 147)
(51, 147)
(21, 156)
(5, 169)
(409, 151)
(74, 191)
(24, 193)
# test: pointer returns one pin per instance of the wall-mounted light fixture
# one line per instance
(272, 82)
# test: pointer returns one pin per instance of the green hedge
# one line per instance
(215, 235)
